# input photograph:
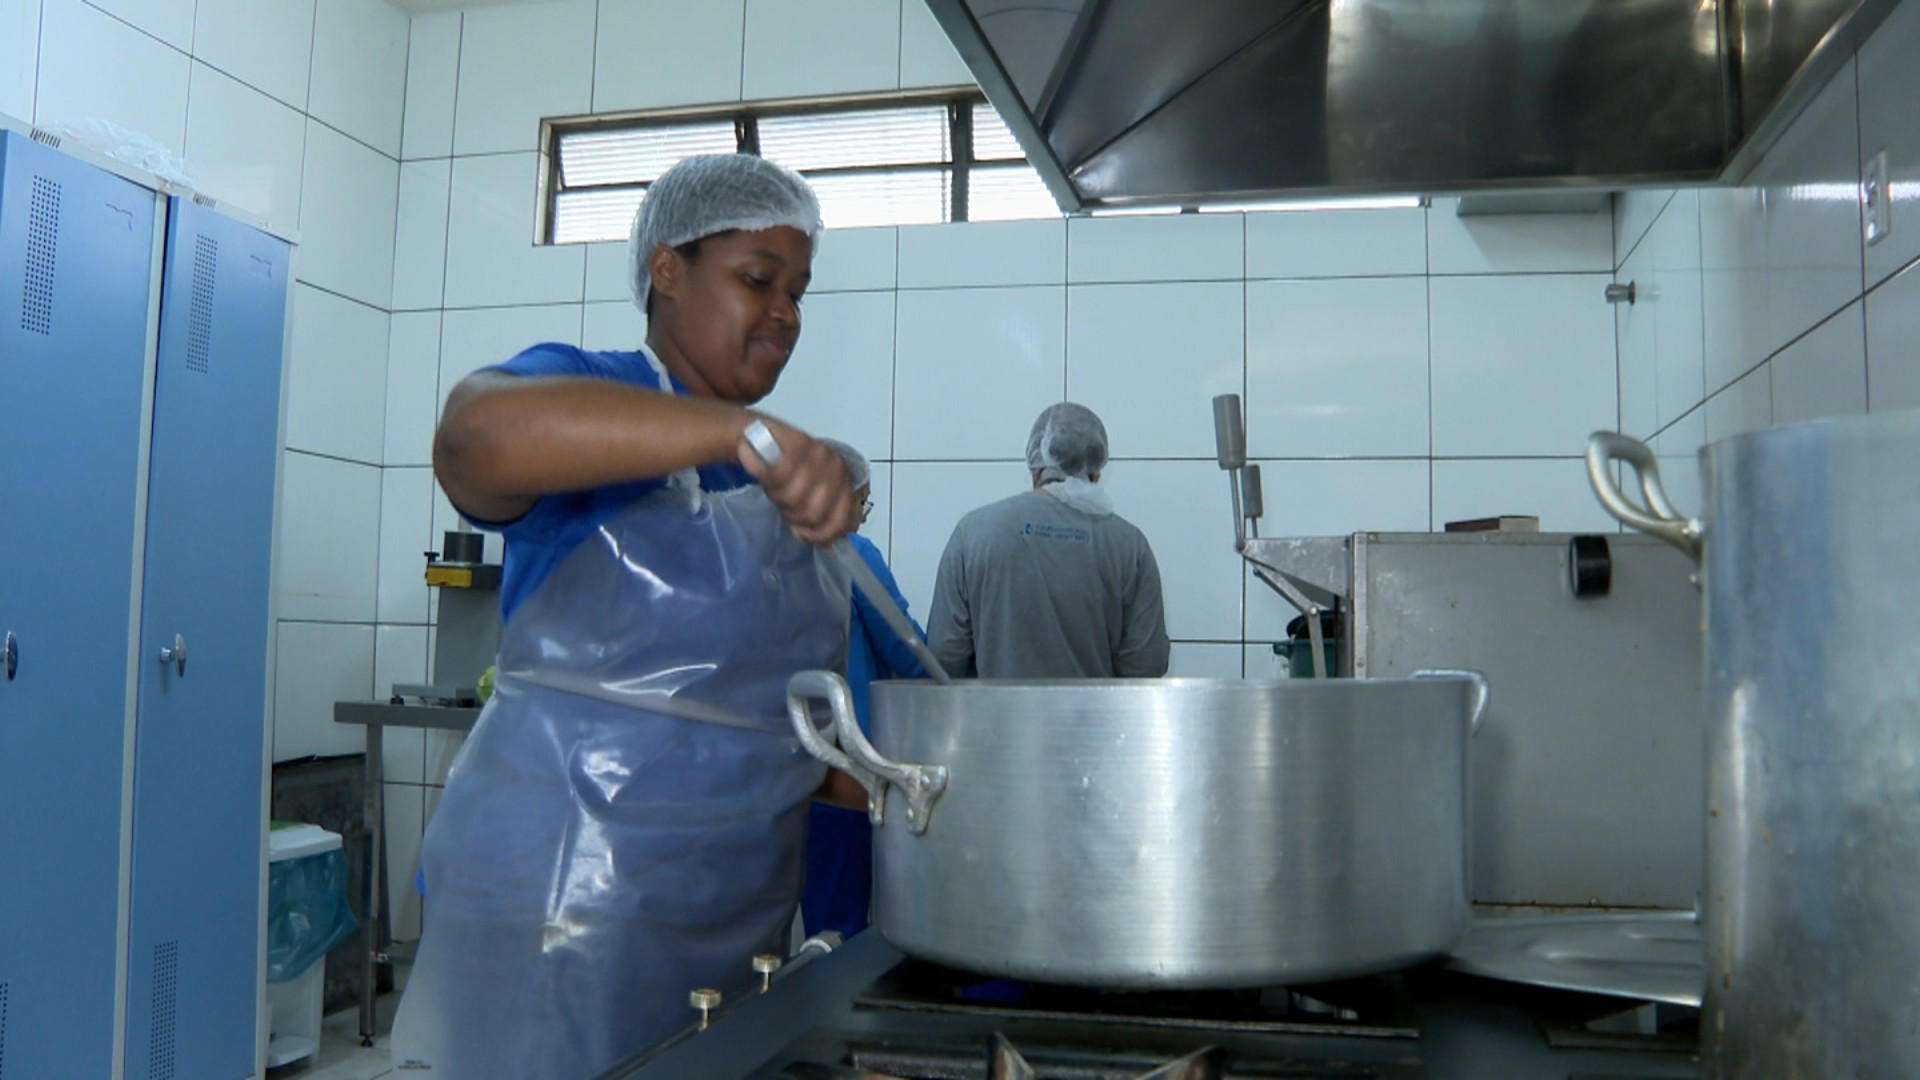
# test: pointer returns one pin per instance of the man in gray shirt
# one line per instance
(1051, 583)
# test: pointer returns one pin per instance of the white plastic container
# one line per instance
(294, 1006)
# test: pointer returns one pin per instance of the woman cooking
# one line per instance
(626, 822)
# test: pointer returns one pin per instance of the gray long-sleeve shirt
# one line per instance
(1032, 588)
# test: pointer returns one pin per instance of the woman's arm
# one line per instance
(505, 440)
(839, 789)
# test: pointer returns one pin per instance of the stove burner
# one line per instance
(1375, 1008)
(1005, 1063)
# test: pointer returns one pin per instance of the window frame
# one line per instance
(959, 102)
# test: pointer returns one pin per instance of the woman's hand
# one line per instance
(809, 484)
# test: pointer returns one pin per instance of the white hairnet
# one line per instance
(858, 471)
(1068, 440)
(715, 193)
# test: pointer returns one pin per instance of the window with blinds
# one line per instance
(907, 161)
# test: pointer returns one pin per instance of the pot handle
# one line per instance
(1658, 517)
(1481, 691)
(920, 785)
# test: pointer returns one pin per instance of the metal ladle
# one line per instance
(864, 579)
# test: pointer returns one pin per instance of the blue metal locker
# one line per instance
(76, 264)
(198, 832)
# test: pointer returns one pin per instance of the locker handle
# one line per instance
(176, 655)
(10, 655)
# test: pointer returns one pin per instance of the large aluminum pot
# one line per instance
(1174, 833)
(1810, 559)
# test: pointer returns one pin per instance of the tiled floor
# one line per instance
(341, 1056)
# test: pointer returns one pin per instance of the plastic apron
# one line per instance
(627, 821)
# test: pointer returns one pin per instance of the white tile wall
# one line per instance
(1517, 243)
(329, 540)
(420, 234)
(143, 88)
(406, 533)
(1893, 344)
(927, 56)
(1678, 450)
(839, 382)
(1337, 368)
(1174, 247)
(1204, 660)
(1179, 505)
(337, 377)
(1150, 358)
(1633, 214)
(1637, 339)
(1784, 252)
(1889, 85)
(317, 664)
(347, 200)
(471, 340)
(491, 257)
(849, 260)
(245, 148)
(266, 46)
(1745, 406)
(1554, 490)
(1337, 243)
(987, 253)
(655, 53)
(520, 63)
(169, 20)
(360, 70)
(400, 656)
(607, 273)
(1825, 373)
(433, 68)
(413, 387)
(1522, 365)
(1673, 262)
(19, 56)
(823, 47)
(973, 367)
(612, 324)
(928, 499)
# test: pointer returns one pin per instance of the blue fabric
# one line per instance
(542, 538)
(840, 841)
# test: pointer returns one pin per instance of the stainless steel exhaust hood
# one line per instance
(1190, 102)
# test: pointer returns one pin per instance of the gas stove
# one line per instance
(864, 1012)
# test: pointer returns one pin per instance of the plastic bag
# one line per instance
(125, 146)
(307, 913)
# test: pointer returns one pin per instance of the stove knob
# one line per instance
(766, 964)
(706, 1001)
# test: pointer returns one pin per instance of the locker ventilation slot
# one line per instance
(3, 1029)
(43, 234)
(166, 974)
(206, 255)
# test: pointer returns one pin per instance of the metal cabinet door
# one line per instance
(198, 833)
(76, 268)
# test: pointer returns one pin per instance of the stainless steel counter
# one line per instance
(376, 717)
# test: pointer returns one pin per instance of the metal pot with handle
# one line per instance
(1171, 833)
(1809, 549)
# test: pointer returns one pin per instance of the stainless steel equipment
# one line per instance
(1163, 833)
(1120, 102)
(1811, 571)
(1588, 774)
(864, 1013)
(467, 629)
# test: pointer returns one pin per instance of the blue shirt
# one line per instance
(539, 540)
(874, 651)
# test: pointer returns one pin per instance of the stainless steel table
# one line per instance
(376, 717)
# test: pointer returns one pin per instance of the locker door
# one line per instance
(197, 828)
(76, 264)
